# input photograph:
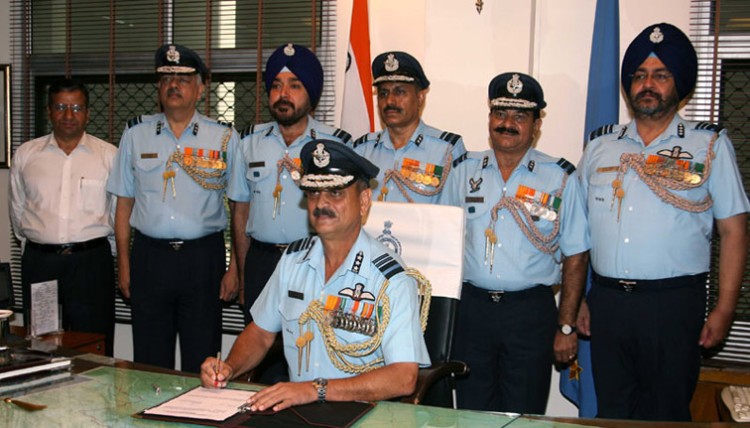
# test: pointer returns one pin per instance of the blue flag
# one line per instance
(602, 108)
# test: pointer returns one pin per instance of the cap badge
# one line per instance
(173, 55)
(289, 49)
(391, 63)
(515, 86)
(321, 157)
(656, 36)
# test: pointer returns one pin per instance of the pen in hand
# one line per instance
(216, 369)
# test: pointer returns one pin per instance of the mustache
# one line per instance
(506, 130)
(173, 91)
(317, 212)
(648, 92)
(281, 103)
(392, 108)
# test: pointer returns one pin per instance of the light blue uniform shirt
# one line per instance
(138, 172)
(253, 179)
(427, 145)
(518, 264)
(299, 278)
(653, 239)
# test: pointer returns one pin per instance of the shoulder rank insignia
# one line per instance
(708, 126)
(568, 167)
(344, 136)
(388, 265)
(419, 139)
(227, 124)
(372, 136)
(450, 137)
(458, 160)
(195, 128)
(300, 245)
(681, 130)
(531, 165)
(135, 121)
(606, 129)
(247, 131)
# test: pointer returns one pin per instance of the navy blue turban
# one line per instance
(300, 61)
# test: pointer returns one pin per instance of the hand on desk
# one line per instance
(283, 395)
(215, 373)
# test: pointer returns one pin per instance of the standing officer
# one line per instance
(654, 188)
(347, 310)
(63, 216)
(524, 216)
(414, 158)
(268, 209)
(169, 177)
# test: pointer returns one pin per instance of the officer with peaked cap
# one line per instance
(525, 220)
(267, 211)
(324, 297)
(169, 176)
(414, 158)
(654, 188)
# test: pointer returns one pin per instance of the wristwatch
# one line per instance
(321, 385)
(567, 329)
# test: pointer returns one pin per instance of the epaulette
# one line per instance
(450, 137)
(227, 124)
(568, 167)
(606, 129)
(252, 129)
(365, 138)
(344, 136)
(388, 265)
(708, 126)
(135, 121)
(300, 245)
(458, 160)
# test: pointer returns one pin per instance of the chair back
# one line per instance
(6, 286)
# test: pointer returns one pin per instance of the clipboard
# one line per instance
(328, 414)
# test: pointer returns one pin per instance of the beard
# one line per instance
(663, 106)
(287, 114)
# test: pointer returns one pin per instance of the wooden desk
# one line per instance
(81, 342)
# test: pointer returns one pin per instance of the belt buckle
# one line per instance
(628, 286)
(176, 245)
(496, 296)
(65, 250)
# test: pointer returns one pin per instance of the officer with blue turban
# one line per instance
(414, 158)
(525, 224)
(267, 207)
(655, 187)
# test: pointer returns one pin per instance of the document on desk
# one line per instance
(203, 403)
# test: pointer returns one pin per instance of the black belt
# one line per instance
(630, 285)
(177, 244)
(497, 296)
(267, 247)
(65, 249)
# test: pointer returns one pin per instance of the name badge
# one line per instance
(256, 164)
(149, 155)
(607, 169)
(474, 199)
(296, 295)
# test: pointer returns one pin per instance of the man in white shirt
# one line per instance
(62, 213)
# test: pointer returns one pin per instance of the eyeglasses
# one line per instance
(659, 76)
(75, 108)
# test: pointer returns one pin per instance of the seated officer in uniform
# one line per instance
(524, 221)
(347, 310)
(414, 158)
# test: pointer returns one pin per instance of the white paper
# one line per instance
(204, 403)
(45, 317)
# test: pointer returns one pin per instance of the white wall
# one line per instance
(461, 51)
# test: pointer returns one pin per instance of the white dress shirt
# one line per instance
(60, 199)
